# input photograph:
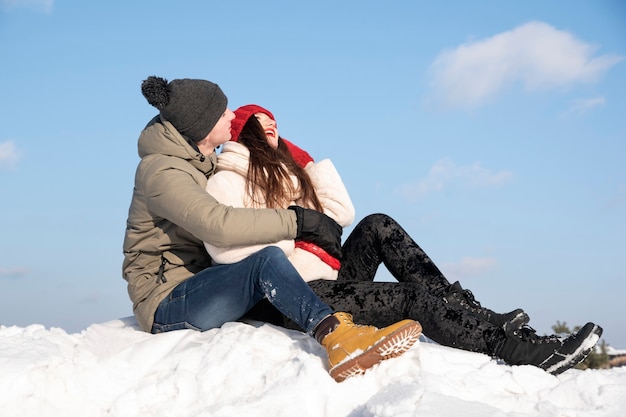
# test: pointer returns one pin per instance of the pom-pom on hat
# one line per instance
(192, 106)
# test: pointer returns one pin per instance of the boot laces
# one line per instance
(528, 334)
(469, 298)
(346, 318)
(463, 296)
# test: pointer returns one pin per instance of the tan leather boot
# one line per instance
(352, 348)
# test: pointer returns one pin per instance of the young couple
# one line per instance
(270, 216)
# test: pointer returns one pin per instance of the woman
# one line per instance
(280, 183)
(448, 314)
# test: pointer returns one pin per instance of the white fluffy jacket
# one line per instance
(228, 186)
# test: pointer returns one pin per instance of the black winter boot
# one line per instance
(550, 353)
(458, 297)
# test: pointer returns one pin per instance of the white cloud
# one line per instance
(445, 172)
(44, 6)
(534, 54)
(468, 267)
(9, 156)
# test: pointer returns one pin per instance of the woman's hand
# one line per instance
(318, 228)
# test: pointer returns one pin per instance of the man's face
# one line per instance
(219, 135)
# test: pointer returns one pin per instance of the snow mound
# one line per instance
(114, 369)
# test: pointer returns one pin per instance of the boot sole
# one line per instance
(579, 354)
(394, 345)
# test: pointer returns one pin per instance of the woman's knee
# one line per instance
(376, 221)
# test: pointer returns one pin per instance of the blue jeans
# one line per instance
(224, 293)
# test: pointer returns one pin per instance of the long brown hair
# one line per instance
(268, 181)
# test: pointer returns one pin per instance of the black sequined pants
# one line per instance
(418, 294)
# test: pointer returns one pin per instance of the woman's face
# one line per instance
(269, 126)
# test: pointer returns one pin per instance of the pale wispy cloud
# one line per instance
(468, 267)
(9, 155)
(42, 6)
(582, 106)
(91, 298)
(620, 197)
(17, 272)
(445, 172)
(535, 54)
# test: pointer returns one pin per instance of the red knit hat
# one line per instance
(243, 113)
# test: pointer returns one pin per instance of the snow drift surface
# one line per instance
(113, 369)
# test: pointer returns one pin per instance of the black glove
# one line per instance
(318, 228)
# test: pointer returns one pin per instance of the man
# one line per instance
(170, 277)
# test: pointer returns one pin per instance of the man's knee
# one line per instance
(272, 251)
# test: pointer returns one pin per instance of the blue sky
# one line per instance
(493, 131)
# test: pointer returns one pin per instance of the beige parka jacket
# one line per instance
(171, 215)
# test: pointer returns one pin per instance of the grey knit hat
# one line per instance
(192, 106)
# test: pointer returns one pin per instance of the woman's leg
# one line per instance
(225, 293)
(382, 303)
(380, 239)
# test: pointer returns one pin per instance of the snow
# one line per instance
(611, 351)
(114, 369)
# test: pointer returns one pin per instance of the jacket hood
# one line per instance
(159, 137)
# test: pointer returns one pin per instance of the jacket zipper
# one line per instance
(161, 275)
